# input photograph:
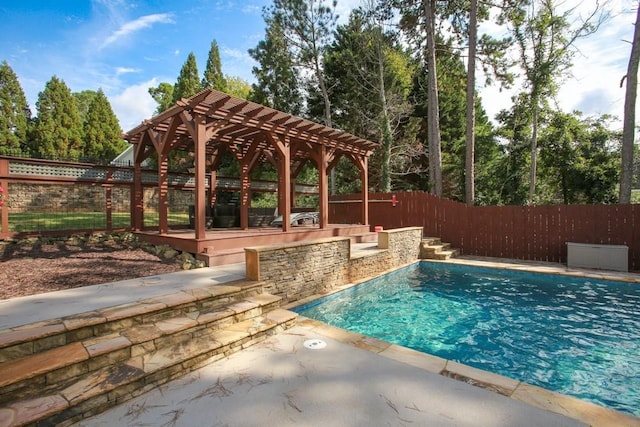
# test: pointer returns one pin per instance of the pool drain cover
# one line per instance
(315, 344)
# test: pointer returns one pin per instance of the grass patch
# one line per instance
(53, 221)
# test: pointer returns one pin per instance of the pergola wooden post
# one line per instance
(200, 140)
(321, 159)
(211, 121)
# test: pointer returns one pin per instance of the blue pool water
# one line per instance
(576, 336)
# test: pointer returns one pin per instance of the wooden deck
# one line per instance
(226, 245)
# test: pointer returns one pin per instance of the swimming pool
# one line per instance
(576, 336)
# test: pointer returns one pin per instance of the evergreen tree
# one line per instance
(371, 76)
(277, 79)
(14, 113)
(163, 95)
(308, 27)
(452, 117)
(83, 101)
(188, 83)
(213, 77)
(58, 129)
(102, 131)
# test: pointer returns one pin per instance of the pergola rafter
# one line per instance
(210, 121)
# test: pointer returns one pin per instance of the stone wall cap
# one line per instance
(296, 244)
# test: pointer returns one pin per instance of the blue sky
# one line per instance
(127, 46)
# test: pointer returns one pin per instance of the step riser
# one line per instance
(131, 347)
(433, 248)
(62, 332)
(217, 259)
(93, 385)
(125, 392)
(137, 375)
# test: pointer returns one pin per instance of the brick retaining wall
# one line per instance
(295, 271)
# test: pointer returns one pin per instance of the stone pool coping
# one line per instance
(572, 407)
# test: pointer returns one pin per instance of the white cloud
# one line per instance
(251, 8)
(137, 25)
(126, 70)
(235, 53)
(134, 104)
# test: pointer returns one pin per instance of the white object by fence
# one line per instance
(602, 257)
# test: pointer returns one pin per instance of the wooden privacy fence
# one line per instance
(519, 232)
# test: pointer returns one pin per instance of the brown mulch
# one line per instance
(32, 266)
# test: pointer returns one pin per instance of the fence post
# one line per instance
(4, 183)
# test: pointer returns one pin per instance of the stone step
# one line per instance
(113, 384)
(40, 372)
(429, 241)
(445, 255)
(42, 336)
(434, 248)
(222, 257)
(370, 237)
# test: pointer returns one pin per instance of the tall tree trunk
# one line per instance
(628, 130)
(385, 125)
(327, 117)
(471, 119)
(534, 149)
(433, 119)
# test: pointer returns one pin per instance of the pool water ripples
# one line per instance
(576, 336)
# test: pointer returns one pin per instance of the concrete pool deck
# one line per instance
(354, 380)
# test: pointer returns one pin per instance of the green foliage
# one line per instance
(452, 109)
(14, 112)
(163, 95)
(102, 130)
(213, 76)
(579, 159)
(371, 76)
(188, 83)
(277, 78)
(83, 101)
(515, 132)
(238, 87)
(58, 129)
(308, 28)
(264, 200)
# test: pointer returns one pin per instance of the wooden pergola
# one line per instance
(210, 122)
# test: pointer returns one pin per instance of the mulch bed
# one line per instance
(33, 266)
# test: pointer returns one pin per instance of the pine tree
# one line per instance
(14, 112)
(188, 83)
(277, 78)
(163, 95)
(83, 101)
(308, 26)
(58, 129)
(213, 77)
(102, 131)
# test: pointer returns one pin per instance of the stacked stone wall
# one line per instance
(76, 197)
(298, 270)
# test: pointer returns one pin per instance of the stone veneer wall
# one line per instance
(298, 270)
(77, 197)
